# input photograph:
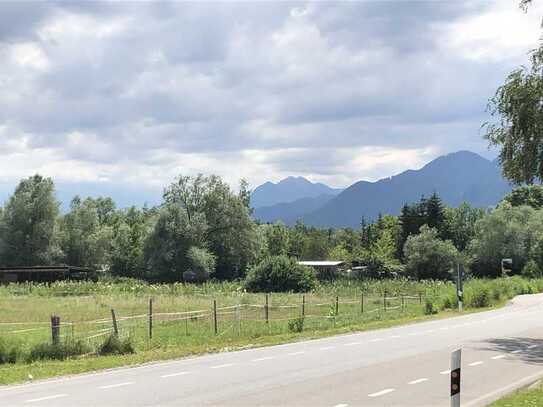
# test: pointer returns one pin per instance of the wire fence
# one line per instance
(242, 319)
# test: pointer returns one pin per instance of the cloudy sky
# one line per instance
(119, 98)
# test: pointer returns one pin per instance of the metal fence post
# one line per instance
(456, 362)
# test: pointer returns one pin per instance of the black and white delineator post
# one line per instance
(456, 361)
(460, 286)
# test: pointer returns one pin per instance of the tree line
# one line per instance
(204, 229)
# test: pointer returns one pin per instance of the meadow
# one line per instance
(217, 316)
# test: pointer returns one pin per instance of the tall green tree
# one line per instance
(531, 195)
(518, 128)
(30, 224)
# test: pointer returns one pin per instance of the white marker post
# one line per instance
(456, 361)
(460, 287)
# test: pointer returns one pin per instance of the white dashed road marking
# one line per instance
(353, 343)
(328, 348)
(381, 393)
(222, 366)
(56, 396)
(174, 374)
(111, 386)
(531, 347)
(262, 359)
(341, 405)
(376, 340)
(445, 372)
(296, 353)
(421, 380)
(497, 357)
(517, 351)
(476, 363)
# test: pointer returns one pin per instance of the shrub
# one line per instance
(429, 308)
(531, 270)
(202, 264)
(8, 354)
(59, 351)
(280, 274)
(115, 346)
(480, 298)
(296, 325)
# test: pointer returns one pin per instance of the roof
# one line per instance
(323, 263)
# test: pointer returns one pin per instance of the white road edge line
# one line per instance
(497, 357)
(381, 393)
(221, 366)
(262, 359)
(479, 362)
(421, 380)
(353, 344)
(56, 396)
(111, 386)
(174, 374)
(327, 348)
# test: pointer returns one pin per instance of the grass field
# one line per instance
(184, 316)
(522, 398)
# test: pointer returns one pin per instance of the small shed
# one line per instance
(45, 274)
(325, 269)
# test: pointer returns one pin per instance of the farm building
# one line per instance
(325, 269)
(44, 274)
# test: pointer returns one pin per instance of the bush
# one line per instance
(429, 308)
(480, 298)
(296, 325)
(59, 351)
(202, 264)
(280, 274)
(531, 270)
(8, 354)
(115, 346)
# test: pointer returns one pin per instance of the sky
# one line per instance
(119, 98)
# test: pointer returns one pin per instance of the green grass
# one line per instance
(179, 330)
(522, 398)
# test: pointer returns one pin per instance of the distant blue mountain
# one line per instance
(290, 212)
(458, 177)
(288, 190)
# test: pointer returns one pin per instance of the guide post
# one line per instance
(456, 361)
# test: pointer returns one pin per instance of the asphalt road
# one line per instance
(403, 366)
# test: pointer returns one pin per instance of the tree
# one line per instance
(518, 129)
(84, 237)
(531, 195)
(429, 257)
(29, 224)
(204, 212)
(127, 247)
(460, 224)
(507, 232)
(435, 216)
(277, 239)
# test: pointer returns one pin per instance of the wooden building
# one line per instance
(45, 274)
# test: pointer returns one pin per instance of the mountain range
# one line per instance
(458, 177)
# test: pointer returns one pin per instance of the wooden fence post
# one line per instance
(303, 306)
(420, 298)
(150, 318)
(266, 310)
(55, 329)
(402, 303)
(337, 304)
(215, 327)
(385, 300)
(362, 303)
(114, 320)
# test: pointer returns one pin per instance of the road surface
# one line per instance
(402, 366)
